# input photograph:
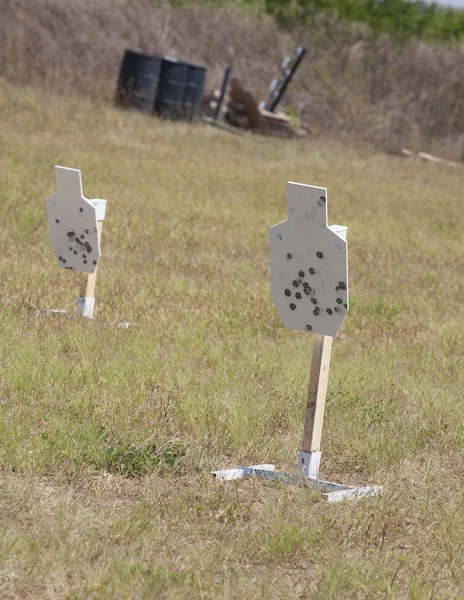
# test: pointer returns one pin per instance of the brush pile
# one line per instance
(240, 110)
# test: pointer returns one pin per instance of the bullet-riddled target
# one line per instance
(309, 264)
(72, 223)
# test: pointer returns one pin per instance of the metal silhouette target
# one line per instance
(309, 264)
(72, 223)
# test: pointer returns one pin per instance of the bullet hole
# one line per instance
(299, 281)
(346, 306)
(307, 291)
(82, 237)
(81, 210)
(339, 300)
(70, 234)
(292, 306)
(57, 220)
(279, 236)
(321, 201)
(319, 255)
(337, 309)
(94, 262)
(60, 258)
(337, 289)
(86, 231)
(75, 251)
(64, 260)
(329, 311)
(313, 300)
(78, 241)
(70, 248)
(308, 327)
(295, 283)
(84, 256)
(85, 262)
(312, 271)
(301, 273)
(88, 247)
(298, 296)
(317, 311)
(305, 284)
(288, 293)
(289, 255)
(341, 285)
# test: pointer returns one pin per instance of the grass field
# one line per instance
(107, 436)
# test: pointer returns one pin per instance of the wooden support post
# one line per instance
(311, 447)
(317, 392)
(86, 301)
(89, 280)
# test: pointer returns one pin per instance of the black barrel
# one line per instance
(138, 81)
(194, 89)
(171, 89)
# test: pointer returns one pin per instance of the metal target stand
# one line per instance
(310, 454)
(306, 238)
(334, 492)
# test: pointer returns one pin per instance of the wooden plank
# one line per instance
(436, 159)
(317, 393)
(429, 158)
(280, 116)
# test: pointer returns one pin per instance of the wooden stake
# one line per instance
(317, 392)
(89, 280)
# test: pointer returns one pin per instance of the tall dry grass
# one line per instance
(350, 82)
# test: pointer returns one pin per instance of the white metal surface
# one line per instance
(334, 492)
(72, 223)
(100, 208)
(127, 324)
(241, 472)
(85, 307)
(308, 463)
(309, 264)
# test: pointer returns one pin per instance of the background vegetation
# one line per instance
(401, 18)
(353, 83)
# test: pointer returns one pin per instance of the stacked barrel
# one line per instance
(169, 87)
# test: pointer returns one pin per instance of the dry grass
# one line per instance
(107, 435)
(350, 82)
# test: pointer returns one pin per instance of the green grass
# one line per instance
(107, 436)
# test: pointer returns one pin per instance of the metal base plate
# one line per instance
(334, 492)
(126, 325)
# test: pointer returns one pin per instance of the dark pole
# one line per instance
(277, 94)
(225, 85)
